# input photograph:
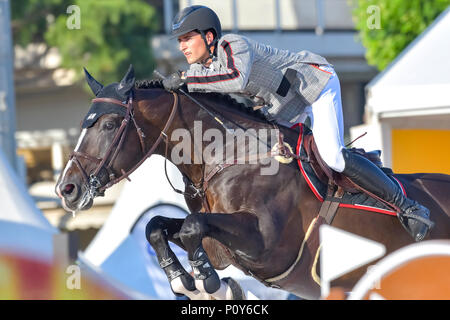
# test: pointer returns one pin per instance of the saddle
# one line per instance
(328, 175)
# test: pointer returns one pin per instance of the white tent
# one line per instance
(120, 249)
(419, 78)
(412, 93)
(23, 227)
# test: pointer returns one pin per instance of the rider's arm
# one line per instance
(229, 73)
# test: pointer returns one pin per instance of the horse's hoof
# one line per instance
(179, 279)
(182, 286)
(236, 289)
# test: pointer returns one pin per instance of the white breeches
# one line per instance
(327, 122)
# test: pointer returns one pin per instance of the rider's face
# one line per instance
(193, 47)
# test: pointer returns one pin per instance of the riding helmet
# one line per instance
(197, 17)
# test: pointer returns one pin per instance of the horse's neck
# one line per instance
(185, 129)
(188, 128)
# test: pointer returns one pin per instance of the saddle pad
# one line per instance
(359, 200)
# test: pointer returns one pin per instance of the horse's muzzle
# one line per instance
(73, 197)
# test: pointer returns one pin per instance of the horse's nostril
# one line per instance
(68, 189)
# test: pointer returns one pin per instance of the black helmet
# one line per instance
(199, 18)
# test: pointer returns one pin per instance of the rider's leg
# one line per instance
(414, 216)
(327, 127)
(327, 124)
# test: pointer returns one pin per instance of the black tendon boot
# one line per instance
(173, 269)
(203, 270)
(413, 216)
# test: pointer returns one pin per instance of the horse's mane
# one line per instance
(148, 84)
(221, 97)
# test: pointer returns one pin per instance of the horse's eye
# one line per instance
(108, 125)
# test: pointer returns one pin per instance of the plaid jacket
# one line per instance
(284, 82)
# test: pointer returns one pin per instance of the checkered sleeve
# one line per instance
(229, 73)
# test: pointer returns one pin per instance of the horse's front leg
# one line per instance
(237, 231)
(159, 231)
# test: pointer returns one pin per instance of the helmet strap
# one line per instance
(208, 46)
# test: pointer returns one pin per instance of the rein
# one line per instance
(92, 181)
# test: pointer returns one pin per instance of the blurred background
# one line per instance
(391, 57)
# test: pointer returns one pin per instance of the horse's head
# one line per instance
(108, 146)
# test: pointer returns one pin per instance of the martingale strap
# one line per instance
(281, 151)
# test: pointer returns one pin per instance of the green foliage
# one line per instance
(113, 34)
(29, 18)
(401, 21)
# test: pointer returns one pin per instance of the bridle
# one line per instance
(92, 180)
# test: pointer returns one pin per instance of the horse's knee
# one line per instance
(193, 228)
(154, 231)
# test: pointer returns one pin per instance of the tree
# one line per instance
(386, 27)
(105, 36)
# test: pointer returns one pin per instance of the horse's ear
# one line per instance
(95, 86)
(127, 83)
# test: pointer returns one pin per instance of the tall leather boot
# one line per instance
(413, 216)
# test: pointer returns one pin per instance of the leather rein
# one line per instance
(92, 180)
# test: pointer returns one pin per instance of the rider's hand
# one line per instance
(174, 81)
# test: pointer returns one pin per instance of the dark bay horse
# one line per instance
(255, 221)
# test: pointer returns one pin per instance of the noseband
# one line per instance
(92, 181)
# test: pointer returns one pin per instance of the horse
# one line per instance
(260, 222)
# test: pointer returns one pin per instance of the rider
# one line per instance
(291, 87)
